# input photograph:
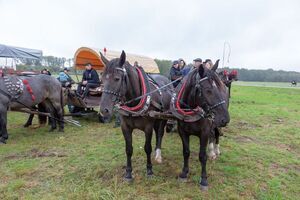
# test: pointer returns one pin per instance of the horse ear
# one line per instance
(105, 61)
(122, 58)
(216, 65)
(201, 70)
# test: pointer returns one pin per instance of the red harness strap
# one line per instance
(180, 110)
(143, 100)
(29, 89)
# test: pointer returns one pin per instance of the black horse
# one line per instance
(122, 83)
(203, 89)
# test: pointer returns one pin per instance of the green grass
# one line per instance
(260, 157)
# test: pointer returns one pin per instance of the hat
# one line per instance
(66, 69)
(175, 62)
(198, 60)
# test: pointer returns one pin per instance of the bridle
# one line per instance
(206, 107)
(118, 94)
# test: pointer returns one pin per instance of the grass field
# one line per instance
(260, 157)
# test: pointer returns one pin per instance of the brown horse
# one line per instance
(122, 83)
(203, 89)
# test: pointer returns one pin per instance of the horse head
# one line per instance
(115, 83)
(210, 93)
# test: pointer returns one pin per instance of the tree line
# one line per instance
(55, 64)
(268, 75)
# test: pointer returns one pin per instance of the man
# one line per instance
(175, 73)
(46, 71)
(197, 62)
(64, 78)
(90, 79)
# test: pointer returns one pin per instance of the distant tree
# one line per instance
(164, 66)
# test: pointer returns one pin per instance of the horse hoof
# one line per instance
(158, 160)
(150, 176)
(158, 157)
(204, 187)
(181, 179)
(2, 141)
(61, 130)
(212, 156)
(128, 180)
(26, 125)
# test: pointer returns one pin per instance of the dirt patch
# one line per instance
(246, 125)
(36, 153)
(245, 139)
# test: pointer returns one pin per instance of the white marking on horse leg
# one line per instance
(211, 153)
(158, 157)
(217, 149)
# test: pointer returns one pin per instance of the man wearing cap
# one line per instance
(175, 73)
(64, 78)
(197, 62)
(90, 79)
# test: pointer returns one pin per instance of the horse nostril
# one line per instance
(106, 110)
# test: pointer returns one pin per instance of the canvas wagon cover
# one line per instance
(19, 52)
(92, 55)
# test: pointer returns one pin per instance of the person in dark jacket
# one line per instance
(90, 79)
(175, 73)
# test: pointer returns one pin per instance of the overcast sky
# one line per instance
(261, 34)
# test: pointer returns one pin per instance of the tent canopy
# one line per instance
(19, 52)
(84, 55)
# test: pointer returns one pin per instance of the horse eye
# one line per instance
(209, 92)
(117, 78)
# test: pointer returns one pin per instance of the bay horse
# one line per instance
(202, 88)
(122, 83)
(26, 92)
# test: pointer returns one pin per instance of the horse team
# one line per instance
(200, 104)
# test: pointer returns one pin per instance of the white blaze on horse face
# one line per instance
(211, 153)
(107, 76)
(158, 157)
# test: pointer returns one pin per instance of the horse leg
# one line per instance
(211, 146)
(3, 128)
(159, 127)
(29, 121)
(58, 113)
(217, 145)
(42, 119)
(127, 133)
(229, 89)
(186, 154)
(148, 150)
(203, 159)
(49, 108)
